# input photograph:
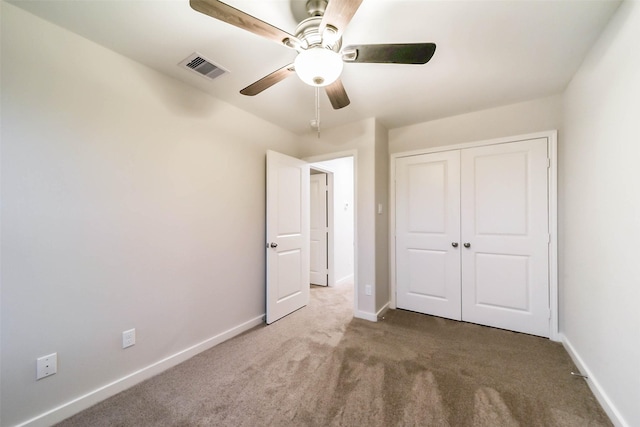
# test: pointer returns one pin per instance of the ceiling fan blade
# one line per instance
(400, 53)
(269, 80)
(337, 95)
(338, 14)
(223, 12)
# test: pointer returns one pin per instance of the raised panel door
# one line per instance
(505, 234)
(427, 223)
(287, 235)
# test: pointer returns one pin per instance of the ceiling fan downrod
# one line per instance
(316, 7)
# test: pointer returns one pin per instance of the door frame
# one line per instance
(552, 194)
(354, 155)
(330, 207)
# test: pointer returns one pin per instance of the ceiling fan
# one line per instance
(318, 41)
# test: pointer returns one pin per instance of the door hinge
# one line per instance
(548, 163)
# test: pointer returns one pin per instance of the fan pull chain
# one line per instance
(318, 111)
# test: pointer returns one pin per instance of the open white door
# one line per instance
(287, 235)
(319, 230)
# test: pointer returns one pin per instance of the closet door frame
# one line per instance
(552, 173)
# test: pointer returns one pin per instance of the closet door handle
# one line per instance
(454, 244)
(467, 245)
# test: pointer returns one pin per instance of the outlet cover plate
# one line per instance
(46, 366)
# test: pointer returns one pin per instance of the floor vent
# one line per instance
(199, 64)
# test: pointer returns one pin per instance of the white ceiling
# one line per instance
(489, 53)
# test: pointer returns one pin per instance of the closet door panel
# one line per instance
(427, 223)
(504, 221)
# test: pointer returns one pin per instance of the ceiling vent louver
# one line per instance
(201, 65)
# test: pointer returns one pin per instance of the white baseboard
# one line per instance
(594, 385)
(372, 317)
(383, 310)
(345, 279)
(83, 402)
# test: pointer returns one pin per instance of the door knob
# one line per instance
(273, 245)
(454, 244)
(467, 245)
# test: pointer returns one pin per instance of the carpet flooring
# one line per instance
(320, 367)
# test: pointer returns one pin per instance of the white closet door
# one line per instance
(427, 223)
(504, 220)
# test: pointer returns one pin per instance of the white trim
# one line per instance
(345, 279)
(607, 404)
(473, 144)
(554, 325)
(78, 404)
(372, 317)
(382, 311)
(552, 136)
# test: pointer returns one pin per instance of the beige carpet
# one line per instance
(320, 367)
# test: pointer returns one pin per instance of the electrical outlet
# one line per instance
(128, 338)
(367, 290)
(46, 366)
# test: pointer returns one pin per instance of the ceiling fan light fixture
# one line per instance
(318, 66)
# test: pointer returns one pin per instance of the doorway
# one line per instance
(340, 218)
(288, 231)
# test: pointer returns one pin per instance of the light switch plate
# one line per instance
(128, 338)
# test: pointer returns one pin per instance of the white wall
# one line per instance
(383, 293)
(516, 119)
(343, 221)
(600, 215)
(117, 213)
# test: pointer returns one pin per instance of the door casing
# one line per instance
(337, 155)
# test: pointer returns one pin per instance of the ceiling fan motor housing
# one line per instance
(320, 63)
(307, 32)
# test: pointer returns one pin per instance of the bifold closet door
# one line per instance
(505, 236)
(427, 223)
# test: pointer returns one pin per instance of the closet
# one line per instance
(472, 235)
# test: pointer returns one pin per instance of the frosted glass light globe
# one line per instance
(318, 66)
